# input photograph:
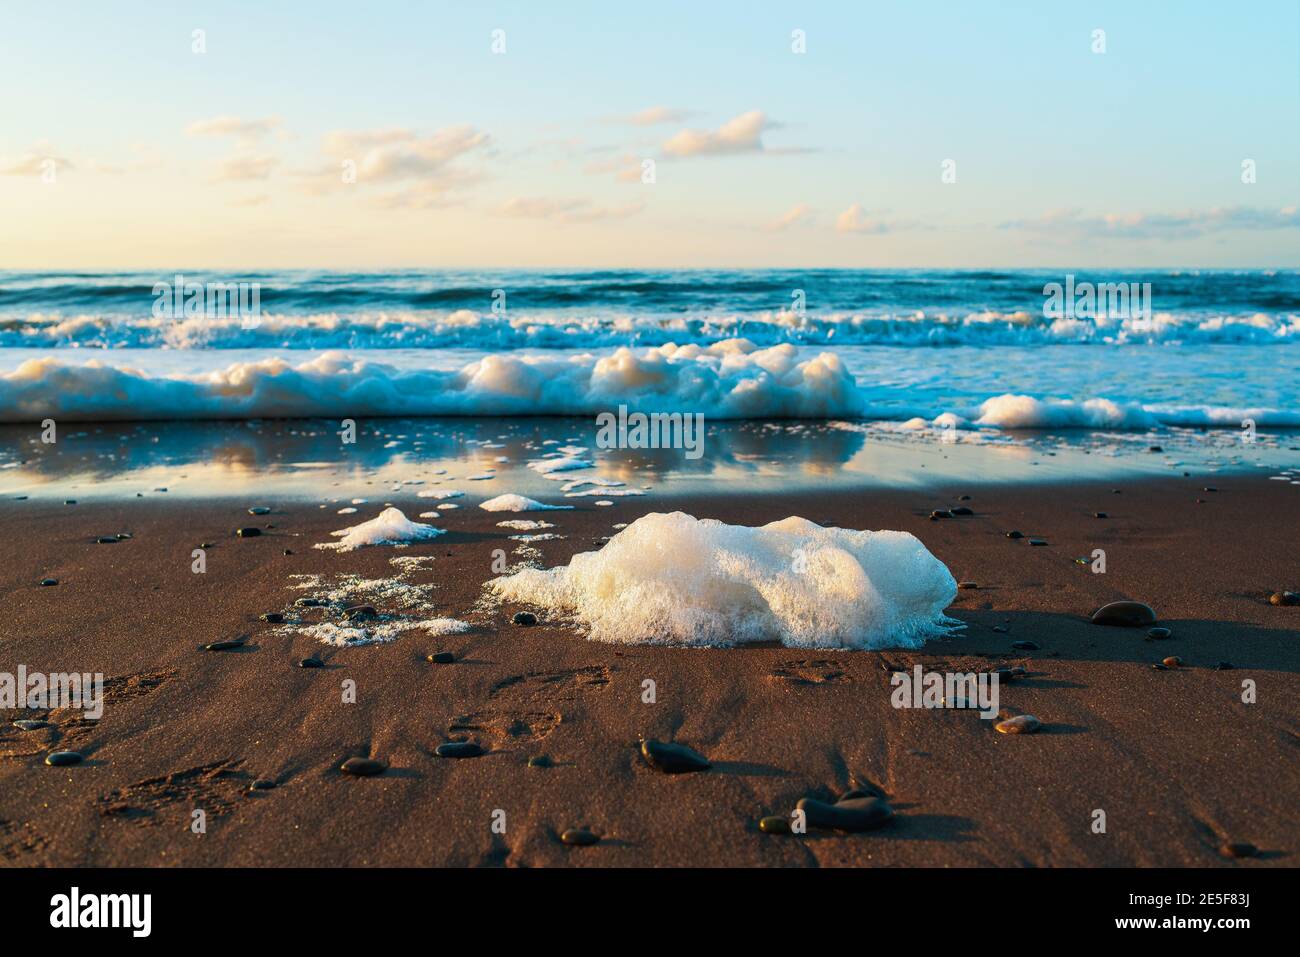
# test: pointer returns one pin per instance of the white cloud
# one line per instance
(743, 134)
(798, 213)
(244, 130)
(625, 168)
(242, 168)
(857, 220)
(397, 154)
(655, 116)
(567, 210)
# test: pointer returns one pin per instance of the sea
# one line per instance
(785, 365)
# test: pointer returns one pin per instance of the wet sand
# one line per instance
(1175, 759)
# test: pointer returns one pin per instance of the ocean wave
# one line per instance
(733, 379)
(467, 329)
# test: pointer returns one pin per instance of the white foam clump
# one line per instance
(524, 524)
(550, 467)
(518, 503)
(676, 580)
(439, 493)
(389, 527)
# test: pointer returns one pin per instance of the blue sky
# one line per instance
(1063, 156)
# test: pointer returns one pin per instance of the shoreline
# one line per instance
(1178, 763)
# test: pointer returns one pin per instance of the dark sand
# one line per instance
(1175, 759)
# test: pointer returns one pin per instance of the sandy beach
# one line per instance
(1175, 759)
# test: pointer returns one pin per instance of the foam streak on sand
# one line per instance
(518, 503)
(676, 580)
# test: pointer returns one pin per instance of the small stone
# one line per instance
(1037, 541)
(312, 662)
(47, 582)
(856, 814)
(1155, 448)
(963, 498)
(228, 644)
(1000, 629)
(967, 585)
(442, 657)
(458, 749)
(28, 724)
(1223, 666)
(69, 501)
(310, 602)
(1284, 598)
(774, 824)
(1015, 534)
(272, 617)
(288, 551)
(939, 513)
(1025, 645)
(259, 510)
(59, 759)
(524, 618)
(262, 784)
(1159, 633)
(961, 510)
(363, 767)
(1238, 849)
(1158, 667)
(1100, 515)
(1019, 724)
(671, 758)
(540, 761)
(1209, 488)
(360, 613)
(1124, 614)
(106, 540)
(1173, 661)
(252, 531)
(578, 837)
(123, 536)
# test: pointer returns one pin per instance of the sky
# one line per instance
(564, 134)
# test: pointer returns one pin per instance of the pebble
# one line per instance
(312, 662)
(855, 814)
(963, 498)
(1100, 515)
(672, 758)
(259, 510)
(774, 824)
(1158, 667)
(1173, 661)
(27, 724)
(578, 837)
(442, 657)
(540, 761)
(288, 551)
(226, 645)
(1126, 614)
(1155, 448)
(1159, 633)
(1020, 724)
(1209, 488)
(106, 540)
(1037, 541)
(1000, 629)
(272, 617)
(458, 749)
(939, 513)
(360, 613)
(1223, 666)
(1284, 598)
(524, 618)
(967, 585)
(363, 767)
(59, 759)
(1015, 534)
(961, 510)
(310, 602)
(1238, 849)
(47, 582)
(252, 531)
(262, 784)
(1025, 645)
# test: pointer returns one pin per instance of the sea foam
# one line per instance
(389, 527)
(676, 580)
